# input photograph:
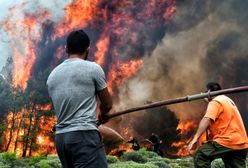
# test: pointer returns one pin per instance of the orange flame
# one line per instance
(122, 71)
(24, 34)
(102, 47)
(22, 69)
(77, 15)
(126, 147)
(186, 128)
(170, 10)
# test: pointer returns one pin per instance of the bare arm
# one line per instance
(204, 124)
(105, 102)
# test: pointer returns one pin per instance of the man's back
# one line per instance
(72, 86)
(227, 138)
(228, 128)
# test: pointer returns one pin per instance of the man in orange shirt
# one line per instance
(227, 135)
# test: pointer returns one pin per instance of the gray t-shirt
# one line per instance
(72, 87)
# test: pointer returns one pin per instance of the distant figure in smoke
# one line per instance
(135, 144)
(73, 87)
(154, 138)
(227, 138)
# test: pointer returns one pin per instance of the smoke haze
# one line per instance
(206, 42)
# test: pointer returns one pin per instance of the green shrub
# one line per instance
(158, 158)
(43, 164)
(148, 154)
(182, 162)
(217, 163)
(112, 159)
(186, 162)
(130, 164)
(175, 165)
(9, 160)
(4, 165)
(134, 156)
(35, 159)
(8, 157)
(21, 163)
(52, 157)
(160, 164)
(52, 161)
(136, 159)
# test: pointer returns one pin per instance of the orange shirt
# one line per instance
(227, 127)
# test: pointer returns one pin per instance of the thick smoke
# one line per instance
(206, 42)
(227, 59)
(174, 68)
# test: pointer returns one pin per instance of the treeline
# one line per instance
(26, 117)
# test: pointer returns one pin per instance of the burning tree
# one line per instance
(28, 111)
(37, 46)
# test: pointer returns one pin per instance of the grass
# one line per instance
(137, 159)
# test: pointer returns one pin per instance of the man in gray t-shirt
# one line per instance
(73, 87)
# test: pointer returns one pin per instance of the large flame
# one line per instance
(24, 34)
(119, 28)
(102, 46)
(77, 15)
(186, 128)
(121, 71)
(122, 33)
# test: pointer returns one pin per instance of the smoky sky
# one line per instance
(226, 60)
(206, 41)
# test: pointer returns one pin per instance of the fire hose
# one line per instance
(179, 100)
(175, 101)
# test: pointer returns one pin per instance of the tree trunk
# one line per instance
(26, 140)
(11, 131)
(18, 131)
(33, 139)
(34, 131)
(30, 149)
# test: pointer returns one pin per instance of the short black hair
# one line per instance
(213, 86)
(77, 42)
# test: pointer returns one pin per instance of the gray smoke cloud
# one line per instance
(206, 42)
(175, 66)
(4, 48)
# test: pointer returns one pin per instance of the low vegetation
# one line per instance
(138, 159)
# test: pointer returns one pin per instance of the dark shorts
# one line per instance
(212, 150)
(81, 149)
